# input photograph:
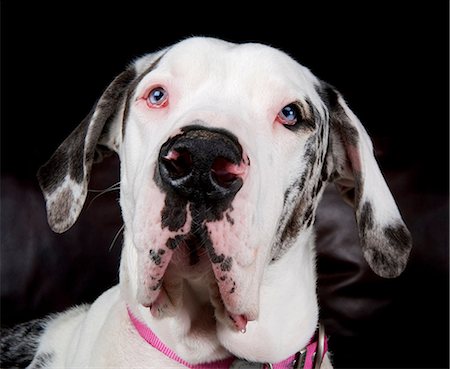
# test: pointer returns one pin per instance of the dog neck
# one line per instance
(287, 319)
(310, 357)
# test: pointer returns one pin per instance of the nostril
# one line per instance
(225, 173)
(178, 163)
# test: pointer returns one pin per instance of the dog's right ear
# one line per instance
(65, 176)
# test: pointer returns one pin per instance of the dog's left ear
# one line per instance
(64, 178)
(385, 240)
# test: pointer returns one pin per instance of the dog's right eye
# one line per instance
(289, 115)
(158, 98)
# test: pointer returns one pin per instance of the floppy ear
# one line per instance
(385, 240)
(64, 178)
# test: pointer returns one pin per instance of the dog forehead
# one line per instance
(199, 52)
(258, 67)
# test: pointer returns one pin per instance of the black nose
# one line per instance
(202, 164)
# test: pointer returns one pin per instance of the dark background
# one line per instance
(391, 64)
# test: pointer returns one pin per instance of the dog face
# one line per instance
(225, 150)
(212, 165)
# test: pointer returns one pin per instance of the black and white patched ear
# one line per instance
(64, 178)
(385, 240)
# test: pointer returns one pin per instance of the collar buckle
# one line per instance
(300, 360)
(312, 356)
(321, 347)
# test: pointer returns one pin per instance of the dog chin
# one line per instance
(194, 290)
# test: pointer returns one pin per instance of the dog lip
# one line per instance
(230, 316)
(240, 321)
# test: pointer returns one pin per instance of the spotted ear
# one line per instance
(64, 178)
(385, 240)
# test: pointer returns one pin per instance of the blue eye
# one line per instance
(157, 98)
(289, 115)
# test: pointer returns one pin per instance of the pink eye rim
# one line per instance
(157, 98)
(289, 115)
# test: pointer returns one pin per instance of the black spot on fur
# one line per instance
(293, 226)
(347, 131)
(225, 266)
(52, 174)
(193, 242)
(310, 153)
(157, 286)
(387, 249)
(352, 192)
(309, 222)
(338, 118)
(327, 93)
(207, 243)
(233, 289)
(324, 174)
(76, 149)
(216, 259)
(18, 345)
(399, 237)
(229, 219)
(156, 255)
(308, 213)
(216, 212)
(43, 360)
(301, 215)
(174, 213)
(366, 221)
(318, 187)
(356, 196)
(380, 259)
(173, 243)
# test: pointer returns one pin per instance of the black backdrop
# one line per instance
(390, 62)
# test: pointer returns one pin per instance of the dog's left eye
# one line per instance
(157, 98)
(289, 115)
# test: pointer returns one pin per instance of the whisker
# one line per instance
(116, 237)
(203, 252)
(114, 187)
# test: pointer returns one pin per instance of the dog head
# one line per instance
(225, 151)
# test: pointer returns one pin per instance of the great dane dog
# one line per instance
(225, 151)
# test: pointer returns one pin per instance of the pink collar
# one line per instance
(304, 359)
